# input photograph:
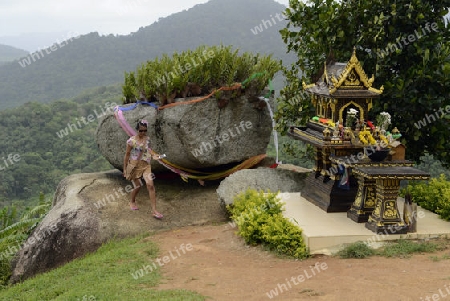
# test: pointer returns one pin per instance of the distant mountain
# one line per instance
(9, 53)
(32, 41)
(92, 60)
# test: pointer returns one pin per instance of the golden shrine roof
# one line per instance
(343, 80)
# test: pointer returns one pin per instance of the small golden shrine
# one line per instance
(342, 97)
(358, 163)
(343, 86)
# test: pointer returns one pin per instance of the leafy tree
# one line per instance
(30, 132)
(405, 43)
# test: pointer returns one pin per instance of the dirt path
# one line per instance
(218, 264)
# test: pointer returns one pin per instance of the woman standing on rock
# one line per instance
(136, 165)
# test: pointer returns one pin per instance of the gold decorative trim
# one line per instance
(305, 86)
(378, 91)
(354, 64)
(301, 133)
(369, 104)
(361, 112)
(391, 177)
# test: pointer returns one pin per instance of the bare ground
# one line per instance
(222, 267)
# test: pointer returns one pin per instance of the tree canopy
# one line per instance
(40, 144)
(404, 43)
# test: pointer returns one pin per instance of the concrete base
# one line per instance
(327, 233)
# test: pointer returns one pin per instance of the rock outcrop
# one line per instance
(196, 135)
(281, 179)
(90, 209)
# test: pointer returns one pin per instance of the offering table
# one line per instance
(385, 218)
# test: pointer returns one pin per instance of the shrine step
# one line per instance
(327, 233)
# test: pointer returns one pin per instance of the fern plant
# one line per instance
(7, 216)
(15, 231)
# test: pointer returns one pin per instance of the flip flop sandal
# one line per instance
(158, 215)
(134, 207)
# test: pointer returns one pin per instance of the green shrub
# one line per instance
(356, 250)
(259, 218)
(251, 210)
(284, 237)
(258, 201)
(433, 196)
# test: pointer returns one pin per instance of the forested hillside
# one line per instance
(39, 147)
(92, 60)
(9, 53)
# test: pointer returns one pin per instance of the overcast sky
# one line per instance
(84, 16)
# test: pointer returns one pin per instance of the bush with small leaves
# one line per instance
(433, 195)
(282, 236)
(259, 218)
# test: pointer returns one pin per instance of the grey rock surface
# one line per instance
(90, 209)
(68, 231)
(273, 179)
(197, 135)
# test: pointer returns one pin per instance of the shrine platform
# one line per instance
(327, 233)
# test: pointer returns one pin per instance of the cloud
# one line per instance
(84, 16)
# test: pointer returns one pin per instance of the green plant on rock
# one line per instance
(129, 88)
(245, 65)
(207, 67)
(226, 66)
(259, 218)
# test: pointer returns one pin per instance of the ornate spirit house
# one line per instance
(343, 86)
(358, 165)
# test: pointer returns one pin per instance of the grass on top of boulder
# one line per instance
(259, 218)
(199, 72)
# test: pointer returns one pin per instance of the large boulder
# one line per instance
(204, 134)
(285, 178)
(90, 209)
